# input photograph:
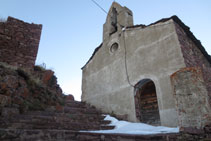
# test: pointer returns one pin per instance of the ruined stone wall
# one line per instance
(193, 57)
(19, 42)
(191, 98)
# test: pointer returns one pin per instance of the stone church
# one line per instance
(158, 74)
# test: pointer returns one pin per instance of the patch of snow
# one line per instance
(124, 127)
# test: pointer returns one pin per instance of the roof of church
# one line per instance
(180, 23)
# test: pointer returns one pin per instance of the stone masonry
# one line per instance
(191, 98)
(193, 56)
(19, 42)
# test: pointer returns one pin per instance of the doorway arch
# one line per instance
(146, 102)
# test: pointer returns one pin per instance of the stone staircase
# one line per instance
(66, 123)
(35, 125)
(67, 135)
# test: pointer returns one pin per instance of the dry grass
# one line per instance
(5, 65)
(26, 74)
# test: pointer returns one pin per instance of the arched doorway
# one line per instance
(146, 103)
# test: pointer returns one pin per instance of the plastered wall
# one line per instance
(152, 52)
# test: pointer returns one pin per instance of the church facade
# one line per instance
(158, 74)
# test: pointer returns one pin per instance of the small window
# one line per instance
(114, 47)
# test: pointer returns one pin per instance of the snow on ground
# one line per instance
(124, 127)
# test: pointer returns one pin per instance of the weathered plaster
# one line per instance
(152, 52)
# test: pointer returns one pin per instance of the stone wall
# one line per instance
(191, 98)
(19, 42)
(193, 56)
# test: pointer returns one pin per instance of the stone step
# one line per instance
(73, 110)
(76, 116)
(76, 104)
(90, 117)
(55, 125)
(58, 117)
(107, 127)
(55, 135)
(49, 119)
(68, 112)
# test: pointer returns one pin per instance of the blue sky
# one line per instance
(72, 29)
